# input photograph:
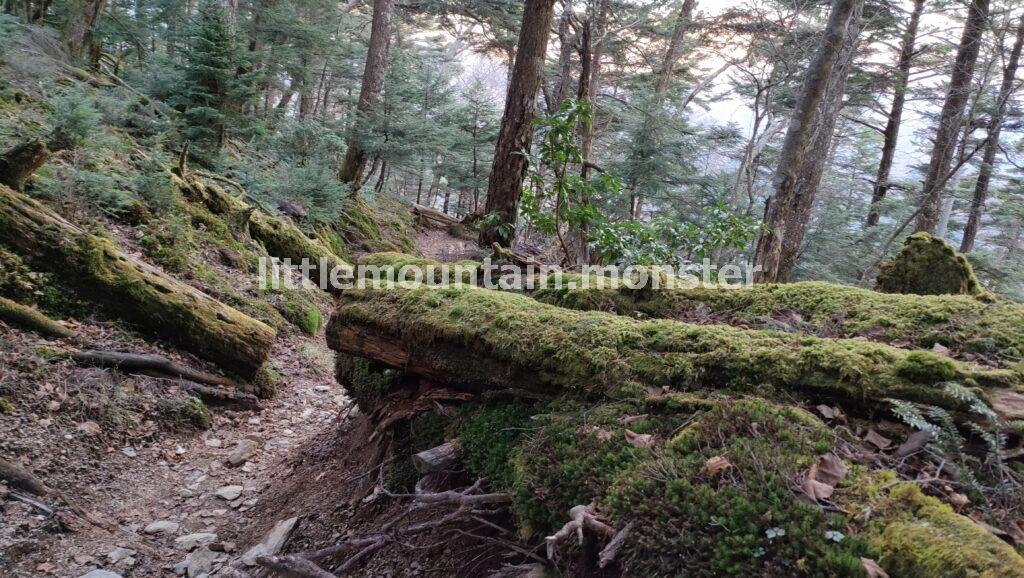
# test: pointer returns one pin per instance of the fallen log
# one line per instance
(27, 318)
(990, 331)
(19, 162)
(478, 340)
(425, 213)
(281, 238)
(131, 289)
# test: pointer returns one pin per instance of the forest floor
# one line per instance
(164, 499)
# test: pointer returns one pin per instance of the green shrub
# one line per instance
(73, 120)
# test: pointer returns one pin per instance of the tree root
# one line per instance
(469, 504)
(582, 518)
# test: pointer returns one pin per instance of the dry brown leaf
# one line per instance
(826, 411)
(604, 435)
(958, 500)
(1014, 529)
(872, 569)
(717, 465)
(915, 443)
(878, 440)
(940, 349)
(639, 440)
(820, 481)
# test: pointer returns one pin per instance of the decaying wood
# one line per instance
(132, 289)
(19, 162)
(293, 567)
(442, 457)
(425, 214)
(514, 257)
(16, 477)
(27, 318)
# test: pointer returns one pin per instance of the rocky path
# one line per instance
(179, 505)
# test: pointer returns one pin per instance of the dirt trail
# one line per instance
(184, 483)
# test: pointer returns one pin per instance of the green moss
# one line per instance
(381, 225)
(15, 277)
(917, 536)
(301, 312)
(959, 322)
(6, 406)
(365, 381)
(266, 382)
(687, 521)
(929, 265)
(926, 367)
(188, 412)
(597, 354)
(489, 435)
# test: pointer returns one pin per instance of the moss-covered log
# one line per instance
(991, 331)
(133, 290)
(477, 339)
(25, 317)
(279, 237)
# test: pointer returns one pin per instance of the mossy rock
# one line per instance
(929, 265)
(16, 280)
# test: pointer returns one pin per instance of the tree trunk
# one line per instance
(799, 138)
(952, 115)
(566, 40)
(19, 162)
(892, 125)
(133, 290)
(373, 84)
(505, 183)
(995, 126)
(806, 187)
(82, 18)
(675, 46)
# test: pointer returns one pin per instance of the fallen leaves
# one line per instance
(717, 465)
(872, 569)
(820, 481)
(915, 443)
(639, 440)
(878, 440)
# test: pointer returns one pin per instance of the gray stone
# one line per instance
(162, 527)
(203, 562)
(98, 573)
(193, 541)
(272, 542)
(229, 492)
(244, 450)
(118, 554)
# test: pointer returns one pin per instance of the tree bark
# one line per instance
(373, 84)
(951, 118)
(799, 138)
(892, 125)
(19, 162)
(566, 40)
(133, 290)
(806, 187)
(505, 183)
(995, 127)
(27, 318)
(82, 18)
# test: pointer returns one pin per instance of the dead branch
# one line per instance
(18, 478)
(151, 365)
(293, 567)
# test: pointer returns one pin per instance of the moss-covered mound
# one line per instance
(475, 338)
(713, 486)
(365, 226)
(928, 265)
